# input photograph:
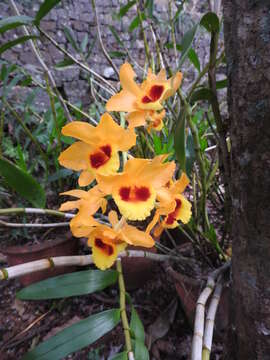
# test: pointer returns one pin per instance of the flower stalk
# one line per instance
(123, 308)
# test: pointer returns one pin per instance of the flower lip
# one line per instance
(146, 100)
(156, 92)
(106, 248)
(101, 156)
(173, 215)
(138, 193)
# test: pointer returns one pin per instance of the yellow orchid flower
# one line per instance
(97, 152)
(140, 101)
(135, 189)
(107, 242)
(173, 206)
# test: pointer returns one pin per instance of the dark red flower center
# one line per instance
(134, 194)
(106, 248)
(154, 94)
(101, 156)
(173, 215)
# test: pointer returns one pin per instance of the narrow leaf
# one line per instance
(210, 22)
(136, 325)
(116, 36)
(202, 94)
(117, 54)
(193, 57)
(74, 284)
(140, 350)
(64, 63)
(44, 9)
(121, 356)
(124, 9)
(75, 337)
(12, 22)
(136, 22)
(221, 84)
(187, 43)
(15, 42)
(23, 183)
(71, 38)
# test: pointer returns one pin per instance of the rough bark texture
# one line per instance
(247, 41)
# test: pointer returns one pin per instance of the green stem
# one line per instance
(124, 318)
(146, 46)
(2, 129)
(9, 211)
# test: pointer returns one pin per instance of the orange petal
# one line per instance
(127, 76)
(158, 174)
(136, 118)
(69, 205)
(123, 101)
(133, 236)
(75, 157)
(113, 217)
(180, 185)
(162, 75)
(79, 130)
(86, 177)
(114, 134)
(81, 194)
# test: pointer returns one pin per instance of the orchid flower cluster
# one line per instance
(142, 189)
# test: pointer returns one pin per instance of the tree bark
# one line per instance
(247, 43)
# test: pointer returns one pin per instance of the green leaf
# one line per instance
(64, 63)
(117, 54)
(84, 43)
(187, 43)
(136, 22)
(193, 57)
(44, 9)
(190, 155)
(75, 337)
(201, 94)
(74, 284)
(121, 356)
(136, 325)
(157, 143)
(23, 183)
(180, 140)
(210, 22)
(140, 350)
(12, 22)
(116, 36)
(71, 38)
(15, 42)
(124, 9)
(137, 331)
(221, 84)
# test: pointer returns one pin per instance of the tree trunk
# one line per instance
(247, 43)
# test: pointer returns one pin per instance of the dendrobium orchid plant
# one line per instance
(142, 189)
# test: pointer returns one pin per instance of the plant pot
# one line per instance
(138, 271)
(65, 246)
